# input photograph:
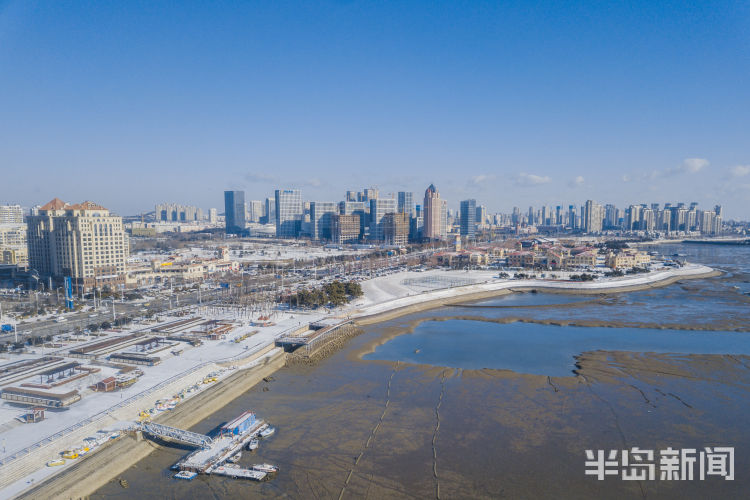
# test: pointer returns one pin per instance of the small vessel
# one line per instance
(54, 463)
(267, 468)
(253, 444)
(235, 458)
(186, 474)
(69, 454)
(268, 431)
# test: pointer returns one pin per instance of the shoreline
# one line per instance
(90, 474)
(105, 465)
(470, 296)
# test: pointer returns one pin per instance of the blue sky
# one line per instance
(134, 103)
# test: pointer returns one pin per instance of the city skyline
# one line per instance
(622, 104)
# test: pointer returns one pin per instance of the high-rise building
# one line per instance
(345, 228)
(396, 228)
(11, 214)
(172, 212)
(468, 218)
(531, 220)
(406, 202)
(83, 241)
(435, 215)
(234, 212)
(289, 212)
(593, 215)
(416, 226)
(481, 215)
(321, 213)
(269, 214)
(359, 208)
(13, 246)
(255, 210)
(351, 196)
(572, 217)
(213, 216)
(379, 207)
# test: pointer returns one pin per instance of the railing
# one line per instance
(176, 434)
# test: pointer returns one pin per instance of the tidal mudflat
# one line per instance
(398, 429)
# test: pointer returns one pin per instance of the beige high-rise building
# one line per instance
(11, 214)
(13, 244)
(435, 215)
(83, 241)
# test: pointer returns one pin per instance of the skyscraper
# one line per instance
(379, 207)
(321, 213)
(468, 218)
(435, 215)
(234, 212)
(289, 212)
(593, 215)
(406, 202)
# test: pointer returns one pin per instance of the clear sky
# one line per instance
(513, 103)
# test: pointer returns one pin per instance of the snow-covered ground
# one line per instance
(380, 295)
(398, 290)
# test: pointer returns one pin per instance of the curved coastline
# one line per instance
(392, 309)
(123, 455)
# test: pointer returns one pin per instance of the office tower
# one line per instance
(558, 215)
(351, 196)
(379, 207)
(11, 214)
(234, 212)
(396, 228)
(435, 215)
(255, 210)
(531, 219)
(83, 241)
(572, 216)
(592, 217)
(358, 208)
(269, 215)
(213, 216)
(416, 225)
(321, 213)
(406, 202)
(481, 215)
(468, 218)
(719, 211)
(346, 228)
(289, 212)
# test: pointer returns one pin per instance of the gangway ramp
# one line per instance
(178, 435)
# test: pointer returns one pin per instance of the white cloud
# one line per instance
(740, 170)
(625, 178)
(525, 179)
(314, 182)
(578, 181)
(480, 179)
(694, 165)
(260, 178)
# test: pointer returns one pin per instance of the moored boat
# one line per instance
(235, 458)
(267, 468)
(253, 444)
(268, 431)
(54, 463)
